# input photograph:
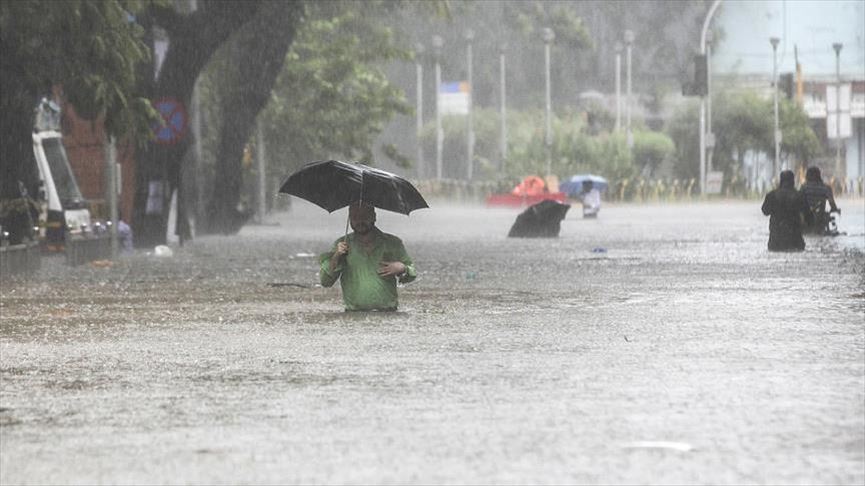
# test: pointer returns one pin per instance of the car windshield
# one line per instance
(64, 181)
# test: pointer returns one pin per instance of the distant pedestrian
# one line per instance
(591, 199)
(785, 207)
(124, 234)
(817, 194)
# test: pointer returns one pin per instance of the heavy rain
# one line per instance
(174, 305)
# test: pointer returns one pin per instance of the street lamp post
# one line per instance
(703, 37)
(777, 165)
(437, 43)
(470, 135)
(503, 140)
(548, 37)
(419, 49)
(629, 40)
(618, 86)
(710, 136)
(837, 46)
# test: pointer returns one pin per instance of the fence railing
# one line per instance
(21, 259)
(625, 190)
(81, 249)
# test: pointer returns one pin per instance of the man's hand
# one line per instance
(390, 269)
(338, 255)
(341, 249)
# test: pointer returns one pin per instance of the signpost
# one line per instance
(714, 181)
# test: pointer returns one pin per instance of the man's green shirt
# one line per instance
(362, 287)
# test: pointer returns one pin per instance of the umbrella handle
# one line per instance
(345, 237)
(348, 217)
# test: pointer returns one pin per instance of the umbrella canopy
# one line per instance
(332, 185)
(574, 185)
(542, 220)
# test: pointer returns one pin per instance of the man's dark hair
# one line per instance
(813, 174)
(787, 180)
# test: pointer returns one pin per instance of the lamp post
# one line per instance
(618, 86)
(503, 136)
(703, 37)
(437, 43)
(548, 37)
(774, 41)
(629, 40)
(470, 135)
(111, 188)
(419, 50)
(710, 136)
(837, 46)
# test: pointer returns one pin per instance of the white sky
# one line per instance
(811, 25)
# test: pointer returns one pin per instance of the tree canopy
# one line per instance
(90, 48)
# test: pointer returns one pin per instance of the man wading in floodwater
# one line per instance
(367, 263)
(785, 206)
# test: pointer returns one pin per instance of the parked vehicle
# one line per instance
(64, 211)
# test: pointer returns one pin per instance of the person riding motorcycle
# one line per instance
(817, 194)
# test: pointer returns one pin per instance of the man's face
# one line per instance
(361, 219)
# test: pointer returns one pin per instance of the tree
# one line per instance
(743, 122)
(650, 150)
(254, 58)
(192, 40)
(330, 99)
(90, 49)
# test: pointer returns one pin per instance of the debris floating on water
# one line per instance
(659, 444)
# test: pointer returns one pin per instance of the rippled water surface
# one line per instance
(657, 344)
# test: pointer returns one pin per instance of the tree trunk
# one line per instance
(193, 40)
(258, 56)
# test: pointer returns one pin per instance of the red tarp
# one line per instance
(531, 190)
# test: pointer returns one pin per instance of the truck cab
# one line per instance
(63, 211)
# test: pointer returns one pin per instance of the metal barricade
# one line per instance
(22, 259)
(81, 249)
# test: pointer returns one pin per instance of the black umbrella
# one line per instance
(542, 220)
(332, 184)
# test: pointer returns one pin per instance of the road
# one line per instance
(659, 344)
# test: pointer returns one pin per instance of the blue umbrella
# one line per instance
(574, 186)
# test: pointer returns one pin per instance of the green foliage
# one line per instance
(333, 96)
(87, 46)
(651, 149)
(567, 25)
(574, 150)
(684, 130)
(742, 121)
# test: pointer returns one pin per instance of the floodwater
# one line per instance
(658, 344)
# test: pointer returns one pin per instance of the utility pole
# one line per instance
(261, 162)
(470, 135)
(629, 41)
(710, 136)
(503, 129)
(774, 41)
(419, 49)
(837, 46)
(703, 35)
(548, 37)
(111, 190)
(437, 43)
(618, 86)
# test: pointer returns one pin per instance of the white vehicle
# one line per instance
(64, 209)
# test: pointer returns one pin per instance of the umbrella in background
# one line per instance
(574, 186)
(332, 185)
(542, 220)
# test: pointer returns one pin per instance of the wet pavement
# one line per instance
(658, 344)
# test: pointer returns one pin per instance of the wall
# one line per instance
(84, 147)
